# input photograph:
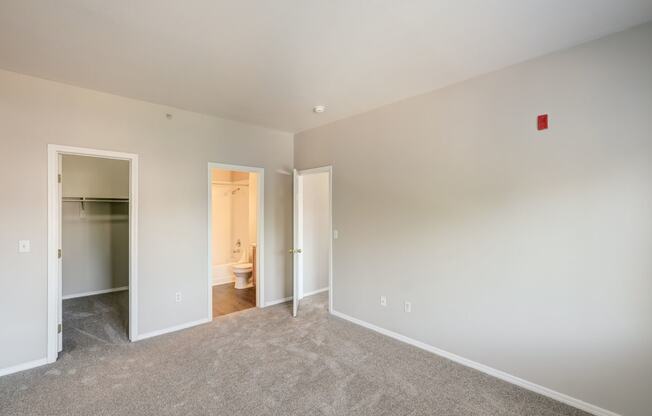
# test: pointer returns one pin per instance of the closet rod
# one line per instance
(84, 199)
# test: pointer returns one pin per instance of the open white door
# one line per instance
(60, 260)
(295, 251)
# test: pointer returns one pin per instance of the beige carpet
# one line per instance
(261, 362)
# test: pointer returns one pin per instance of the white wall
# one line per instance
(316, 231)
(173, 221)
(526, 251)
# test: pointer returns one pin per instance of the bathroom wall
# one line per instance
(240, 217)
(253, 207)
(221, 227)
(526, 251)
(172, 232)
(95, 240)
(315, 241)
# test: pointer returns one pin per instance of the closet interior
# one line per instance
(95, 251)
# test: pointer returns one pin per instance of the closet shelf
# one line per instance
(85, 199)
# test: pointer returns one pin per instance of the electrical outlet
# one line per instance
(24, 246)
(408, 307)
(177, 297)
(383, 301)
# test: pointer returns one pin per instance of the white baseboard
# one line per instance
(277, 301)
(223, 281)
(314, 292)
(579, 404)
(97, 292)
(289, 298)
(175, 328)
(23, 366)
(218, 283)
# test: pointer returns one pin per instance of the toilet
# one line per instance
(242, 271)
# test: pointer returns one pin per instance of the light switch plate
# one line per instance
(24, 246)
(335, 234)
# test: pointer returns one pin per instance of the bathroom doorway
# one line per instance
(313, 236)
(235, 238)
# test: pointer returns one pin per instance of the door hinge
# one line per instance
(59, 253)
(59, 178)
(59, 328)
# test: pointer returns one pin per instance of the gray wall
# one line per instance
(526, 251)
(316, 232)
(173, 223)
(95, 240)
(94, 177)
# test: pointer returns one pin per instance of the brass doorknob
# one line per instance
(295, 251)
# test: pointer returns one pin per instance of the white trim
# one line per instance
(54, 226)
(329, 170)
(314, 292)
(277, 301)
(579, 404)
(96, 292)
(260, 232)
(174, 328)
(22, 367)
(224, 281)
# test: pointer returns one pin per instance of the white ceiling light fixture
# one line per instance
(319, 109)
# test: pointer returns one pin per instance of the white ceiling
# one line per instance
(268, 62)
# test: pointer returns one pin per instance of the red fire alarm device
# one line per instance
(542, 122)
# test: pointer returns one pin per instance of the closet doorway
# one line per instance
(92, 263)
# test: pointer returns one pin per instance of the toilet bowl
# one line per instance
(242, 273)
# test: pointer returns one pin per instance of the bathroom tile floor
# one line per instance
(265, 362)
(227, 299)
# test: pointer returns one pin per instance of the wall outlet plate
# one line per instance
(408, 307)
(24, 246)
(177, 296)
(383, 301)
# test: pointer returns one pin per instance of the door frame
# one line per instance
(260, 231)
(298, 262)
(54, 238)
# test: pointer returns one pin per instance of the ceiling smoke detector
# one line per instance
(319, 109)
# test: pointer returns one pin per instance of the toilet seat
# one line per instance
(242, 266)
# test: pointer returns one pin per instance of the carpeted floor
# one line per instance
(93, 321)
(264, 362)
